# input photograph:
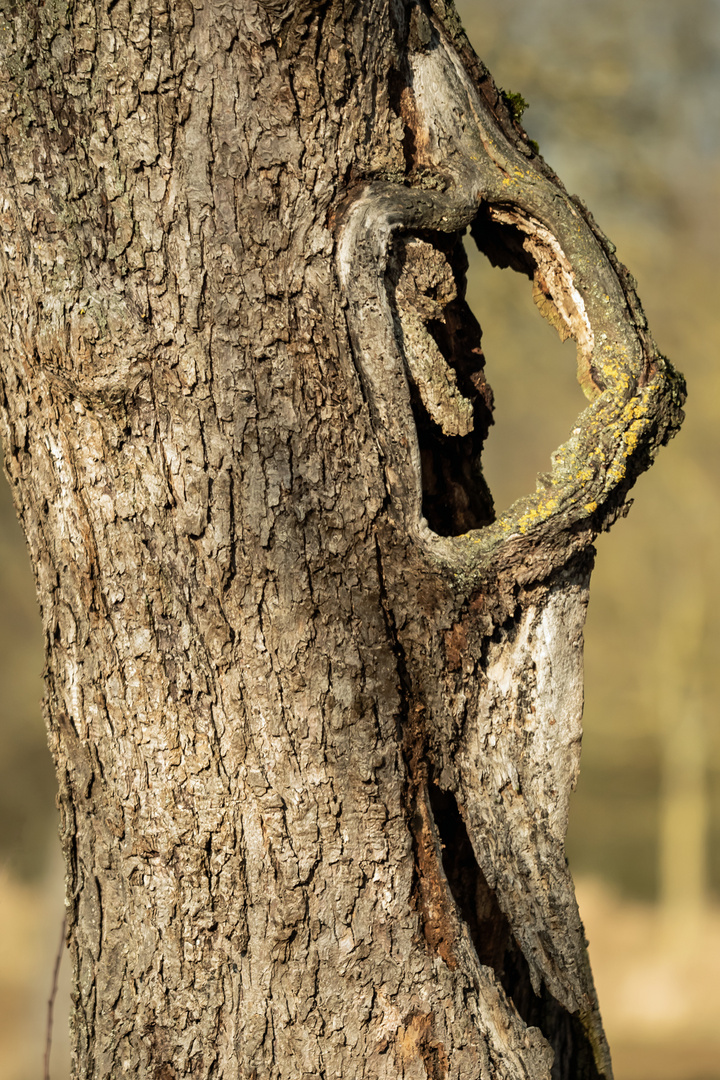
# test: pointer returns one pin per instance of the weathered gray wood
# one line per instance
(315, 714)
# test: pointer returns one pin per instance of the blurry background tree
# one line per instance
(625, 103)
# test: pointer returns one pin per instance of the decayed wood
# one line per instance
(315, 714)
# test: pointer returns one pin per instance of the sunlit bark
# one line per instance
(315, 713)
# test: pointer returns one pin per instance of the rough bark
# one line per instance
(315, 712)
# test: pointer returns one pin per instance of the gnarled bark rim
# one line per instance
(635, 394)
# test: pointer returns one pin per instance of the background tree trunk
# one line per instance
(315, 713)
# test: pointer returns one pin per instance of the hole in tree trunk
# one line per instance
(496, 946)
(537, 399)
(441, 338)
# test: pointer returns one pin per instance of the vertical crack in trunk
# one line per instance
(497, 948)
(429, 888)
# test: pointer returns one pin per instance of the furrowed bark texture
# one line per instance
(315, 712)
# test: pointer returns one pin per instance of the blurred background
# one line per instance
(625, 103)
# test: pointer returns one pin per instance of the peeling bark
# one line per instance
(315, 711)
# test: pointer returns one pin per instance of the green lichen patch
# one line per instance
(516, 103)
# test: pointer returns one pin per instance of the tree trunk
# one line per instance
(315, 712)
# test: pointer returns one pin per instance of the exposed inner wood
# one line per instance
(511, 238)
